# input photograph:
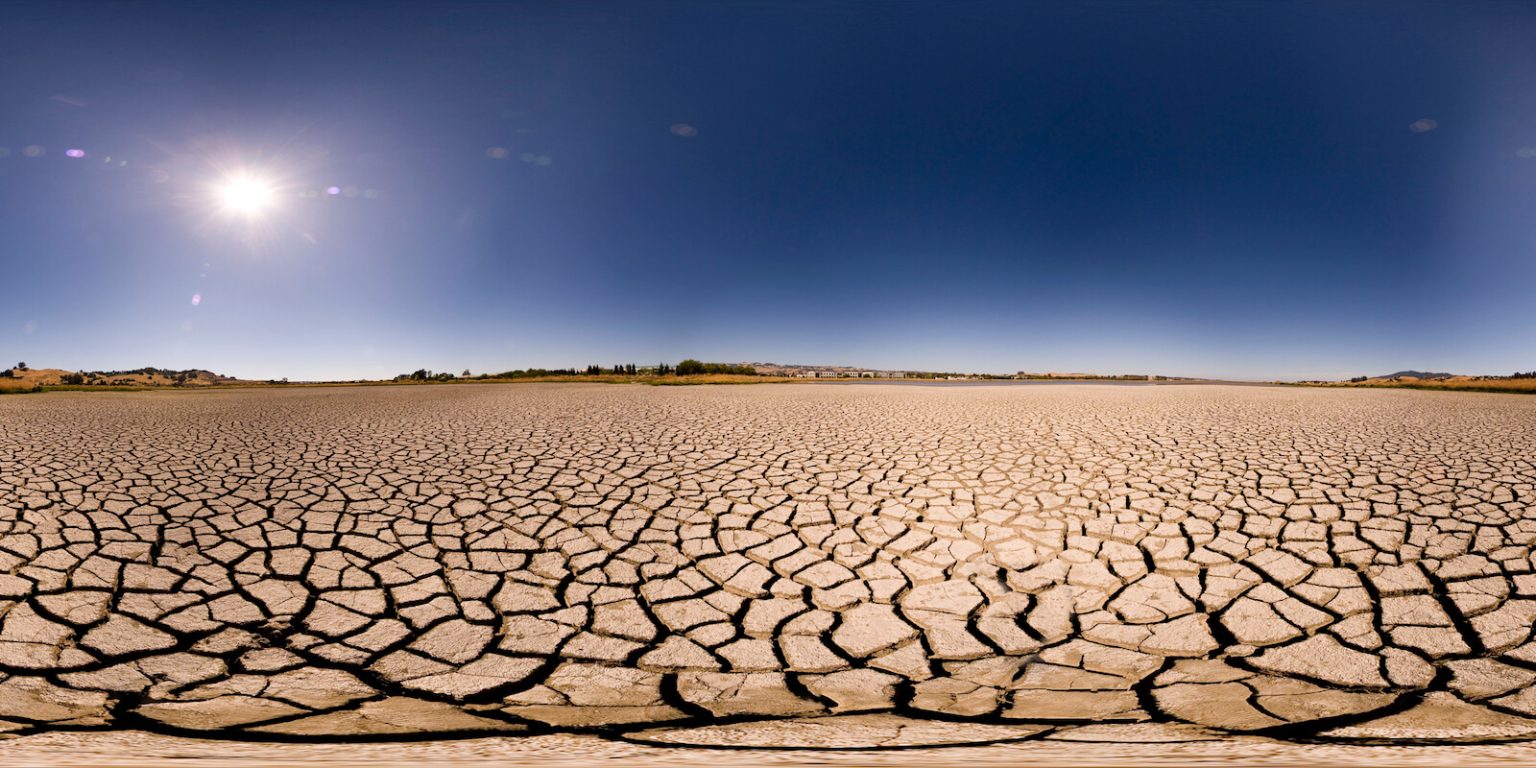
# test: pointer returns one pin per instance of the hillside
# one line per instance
(1416, 375)
(19, 378)
(1523, 382)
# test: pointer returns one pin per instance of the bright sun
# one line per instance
(246, 196)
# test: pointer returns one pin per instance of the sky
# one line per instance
(346, 190)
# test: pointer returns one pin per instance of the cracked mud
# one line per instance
(723, 566)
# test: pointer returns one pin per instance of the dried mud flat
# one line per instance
(578, 574)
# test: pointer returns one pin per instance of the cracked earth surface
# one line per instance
(727, 566)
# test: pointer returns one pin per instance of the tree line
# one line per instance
(689, 367)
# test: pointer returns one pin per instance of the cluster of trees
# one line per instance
(422, 374)
(531, 373)
(117, 378)
(627, 369)
(691, 367)
(98, 378)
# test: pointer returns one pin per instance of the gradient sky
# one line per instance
(1253, 190)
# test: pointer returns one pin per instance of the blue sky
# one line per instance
(1255, 190)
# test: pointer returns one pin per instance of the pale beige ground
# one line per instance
(725, 565)
(136, 749)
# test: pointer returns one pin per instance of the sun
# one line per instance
(246, 195)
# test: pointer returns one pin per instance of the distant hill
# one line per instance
(20, 378)
(1416, 375)
(1522, 382)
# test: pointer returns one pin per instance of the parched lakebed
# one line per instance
(731, 565)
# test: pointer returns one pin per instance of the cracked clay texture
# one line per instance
(727, 566)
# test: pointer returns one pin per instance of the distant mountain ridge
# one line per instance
(1417, 375)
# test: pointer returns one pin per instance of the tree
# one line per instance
(465, 374)
(690, 367)
(21, 366)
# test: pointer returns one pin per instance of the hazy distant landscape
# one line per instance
(22, 379)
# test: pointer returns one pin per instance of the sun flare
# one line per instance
(246, 196)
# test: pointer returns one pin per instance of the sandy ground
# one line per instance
(136, 749)
(676, 568)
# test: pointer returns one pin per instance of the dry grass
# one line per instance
(1455, 383)
(14, 386)
(32, 377)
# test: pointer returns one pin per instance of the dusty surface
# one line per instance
(137, 749)
(676, 568)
